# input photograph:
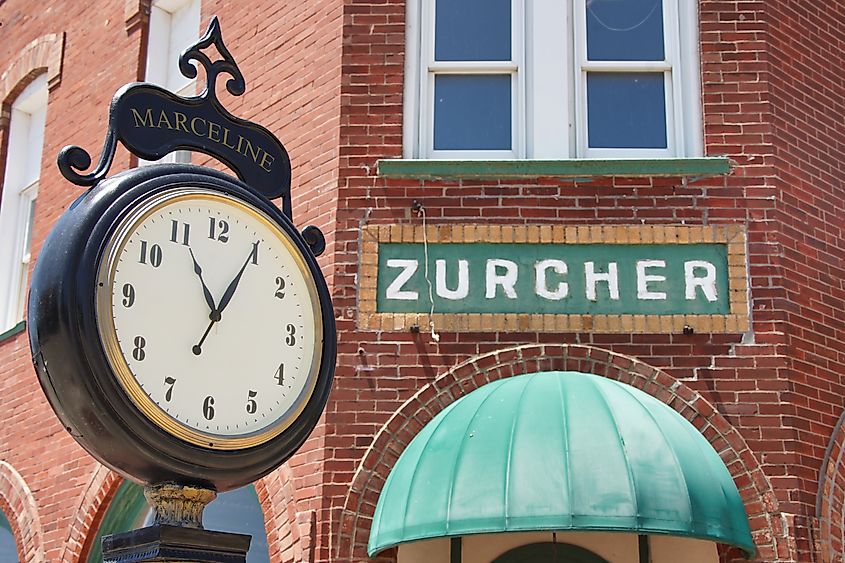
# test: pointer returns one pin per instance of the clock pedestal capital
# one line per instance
(178, 505)
(161, 543)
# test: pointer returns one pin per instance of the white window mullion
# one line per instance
(426, 80)
(626, 66)
(464, 67)
(674, 93)
(518, 80)
(412, 110)
(26, 221)
(579, 34)
(548, 77)
(686, 78)
(674, 127)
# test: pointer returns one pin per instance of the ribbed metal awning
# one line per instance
(559, 451)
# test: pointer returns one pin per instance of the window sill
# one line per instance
(17, 329)
(581, 168)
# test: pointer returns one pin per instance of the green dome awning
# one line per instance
(559, 451)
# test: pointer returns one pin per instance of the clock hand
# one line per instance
(208, 298)
(227, 297)
(230, 291)
(197, 349)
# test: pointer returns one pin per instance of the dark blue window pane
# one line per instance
(625, 30)
(472, 112)
(472, 30)
(626, 110)
(239, 511)
(8, 547)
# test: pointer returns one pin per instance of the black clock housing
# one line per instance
(72, 365)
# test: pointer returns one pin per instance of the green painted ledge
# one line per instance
(18, 328)
(573, 167)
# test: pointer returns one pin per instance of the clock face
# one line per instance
(210, 318)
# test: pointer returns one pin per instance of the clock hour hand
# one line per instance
(230, 291)
(208, 298)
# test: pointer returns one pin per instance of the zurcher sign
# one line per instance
(564, 278)
(495, 277)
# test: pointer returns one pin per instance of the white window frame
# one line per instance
(20, 192)
(549, 98)
(174, 25)
(430, 68)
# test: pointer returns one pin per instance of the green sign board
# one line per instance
(592, 279)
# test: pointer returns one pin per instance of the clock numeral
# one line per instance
(169, 394)
(155, 254)
(254, 254)
(251, 405)
(128, 295)
(138, 352)
(218, 229)
(280, 374)
(208, 408)
(174, 232)
(280, 285)
(290, 339)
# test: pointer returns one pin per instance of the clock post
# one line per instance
(153, 382)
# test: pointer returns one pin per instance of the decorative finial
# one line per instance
(213, 36)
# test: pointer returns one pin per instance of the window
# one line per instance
(552, 79)
(8, 547)
(174, 26)
(20, 190)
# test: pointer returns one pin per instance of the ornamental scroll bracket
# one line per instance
(152, 122)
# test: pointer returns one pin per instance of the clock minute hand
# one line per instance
(198, 271)
(230, 291)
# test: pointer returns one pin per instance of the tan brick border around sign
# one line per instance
(731, 235)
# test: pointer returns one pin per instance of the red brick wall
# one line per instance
(808, 103)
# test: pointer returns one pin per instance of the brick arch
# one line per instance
(40, 55)
(416, 412)
(274, 491)
(92, 505)
(830, 499)
(18, 503)
(282, 522)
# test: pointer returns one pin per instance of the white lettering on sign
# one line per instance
(454, 280)
(706, 283)
(440, 280)
(643, 278)
(541, 286)
(611, 277)
(506, 280)
(394, 290)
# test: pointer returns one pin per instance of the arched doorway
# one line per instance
(549, 552)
